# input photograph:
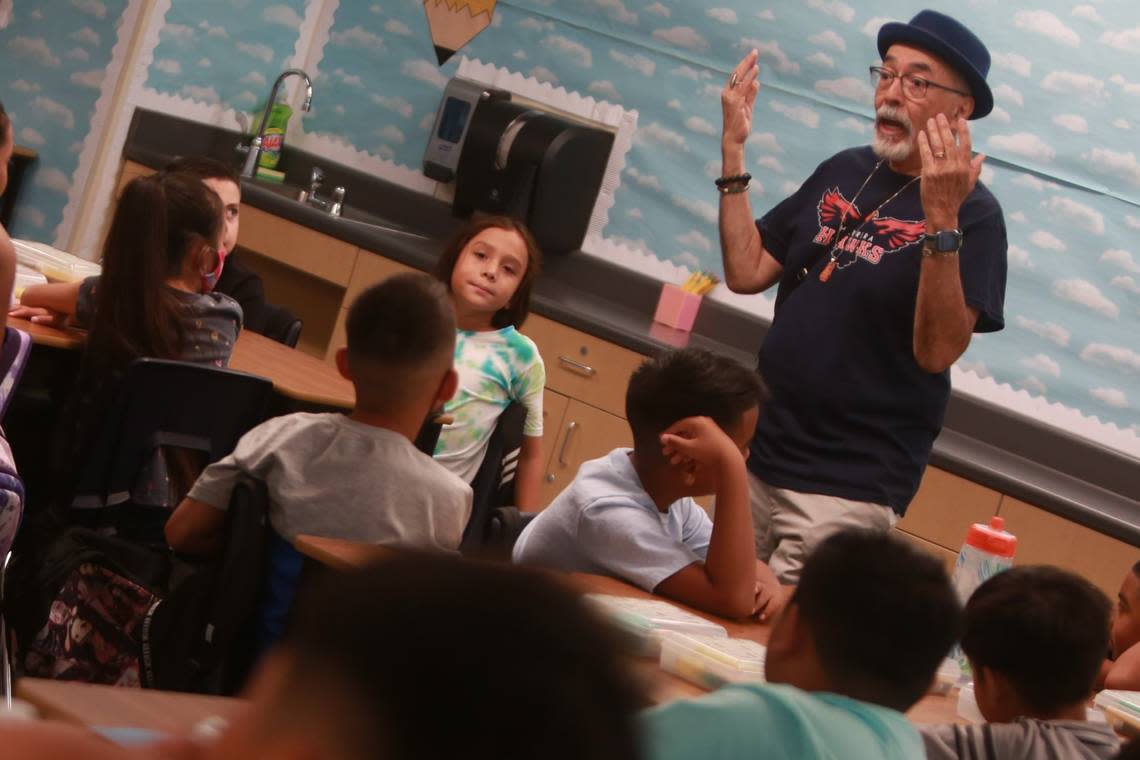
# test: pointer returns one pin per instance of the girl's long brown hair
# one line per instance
(159, 220)
(157, 223)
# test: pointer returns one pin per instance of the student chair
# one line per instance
(504, 527)
(494, 483)
(280, 324)
(202, 635)
(161, 403)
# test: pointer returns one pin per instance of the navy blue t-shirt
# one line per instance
(851, 413)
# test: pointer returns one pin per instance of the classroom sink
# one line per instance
(349, 215)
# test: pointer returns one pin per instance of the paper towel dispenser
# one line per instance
(539, 166)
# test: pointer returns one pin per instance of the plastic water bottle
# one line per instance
(988, 550)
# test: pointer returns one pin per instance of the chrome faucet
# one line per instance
(254, 150)
(333, 205)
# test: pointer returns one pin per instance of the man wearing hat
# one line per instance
(887, 259)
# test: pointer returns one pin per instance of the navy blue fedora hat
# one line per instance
(952, 42)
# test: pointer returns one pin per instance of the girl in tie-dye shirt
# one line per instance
(489, 269)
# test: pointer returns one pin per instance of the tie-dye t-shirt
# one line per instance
(495, 368)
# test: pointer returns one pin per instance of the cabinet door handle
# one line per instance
(566, 442)
(582, 369)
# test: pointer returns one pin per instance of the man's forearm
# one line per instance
(942, 321)
(740, 244)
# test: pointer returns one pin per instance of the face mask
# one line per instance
(210, 279)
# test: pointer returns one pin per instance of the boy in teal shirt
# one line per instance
(856, 646)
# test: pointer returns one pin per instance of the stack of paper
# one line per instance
(56, 265)
(711, 661)
(645, 619)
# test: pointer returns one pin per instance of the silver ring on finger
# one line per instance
(940, 154)
(732, 81)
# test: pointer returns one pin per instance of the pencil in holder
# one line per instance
(677, 308)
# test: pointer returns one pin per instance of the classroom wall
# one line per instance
(56, 56)
(1060, 142)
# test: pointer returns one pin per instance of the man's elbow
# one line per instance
(939, 358)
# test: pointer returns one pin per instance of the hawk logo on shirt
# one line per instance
(866, 236)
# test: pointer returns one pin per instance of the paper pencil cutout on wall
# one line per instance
(454, 23)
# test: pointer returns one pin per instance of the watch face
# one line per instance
(948, 240)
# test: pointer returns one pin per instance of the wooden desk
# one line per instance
(339, 554)
(661, 686)
(113, 706)
(294, 374)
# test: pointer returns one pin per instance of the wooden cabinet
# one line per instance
(370, 269)
(581, 366)
(945, 507)
(586, 433)
(1044, 538)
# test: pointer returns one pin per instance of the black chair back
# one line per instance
(280, 324)
(494, 483)
(202, 636)
(165, 403)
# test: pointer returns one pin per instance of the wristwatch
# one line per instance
(942, 243)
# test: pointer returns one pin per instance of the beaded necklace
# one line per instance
(825, 273)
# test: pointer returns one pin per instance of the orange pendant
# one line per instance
(825, 273)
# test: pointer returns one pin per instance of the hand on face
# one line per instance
(949, 171)
(697, 442)
(737, 100)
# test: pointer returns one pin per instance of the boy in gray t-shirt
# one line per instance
(1035, 638)
(631, 514)
(355, 477)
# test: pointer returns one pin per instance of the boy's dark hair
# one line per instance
(1043, 628)
(882, 614)
(685, 383)
(444, 658)
(204, 167)
(401, 322)
(515, 312)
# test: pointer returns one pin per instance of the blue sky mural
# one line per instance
(1061, 140)
(225, 51)
(54, 56)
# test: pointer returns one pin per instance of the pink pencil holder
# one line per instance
(677, 308)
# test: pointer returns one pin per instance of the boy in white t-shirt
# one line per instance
(630, 514)
(356, 476)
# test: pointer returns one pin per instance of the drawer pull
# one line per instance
(566, 442)
(550, 477)
(582, 369)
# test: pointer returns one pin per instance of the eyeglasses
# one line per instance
(914, 88)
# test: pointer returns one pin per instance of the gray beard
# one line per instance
(893, 152)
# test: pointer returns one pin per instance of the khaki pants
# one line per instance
(789, 524)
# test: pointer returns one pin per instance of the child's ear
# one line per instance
(342, 363)
(447, 386)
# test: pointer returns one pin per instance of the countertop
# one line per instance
(1040, 464)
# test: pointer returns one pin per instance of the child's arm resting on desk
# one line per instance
(51, 303)
(725, 583)
(1124, 672)
(195, 527)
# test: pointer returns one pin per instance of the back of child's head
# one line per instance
(438, 658)
(401, 340)
(516, 312)
(1044, 629)
(159, 220)
(204, 167)
(688, 382)
(882, 615)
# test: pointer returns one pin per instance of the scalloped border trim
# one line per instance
(102, 114)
